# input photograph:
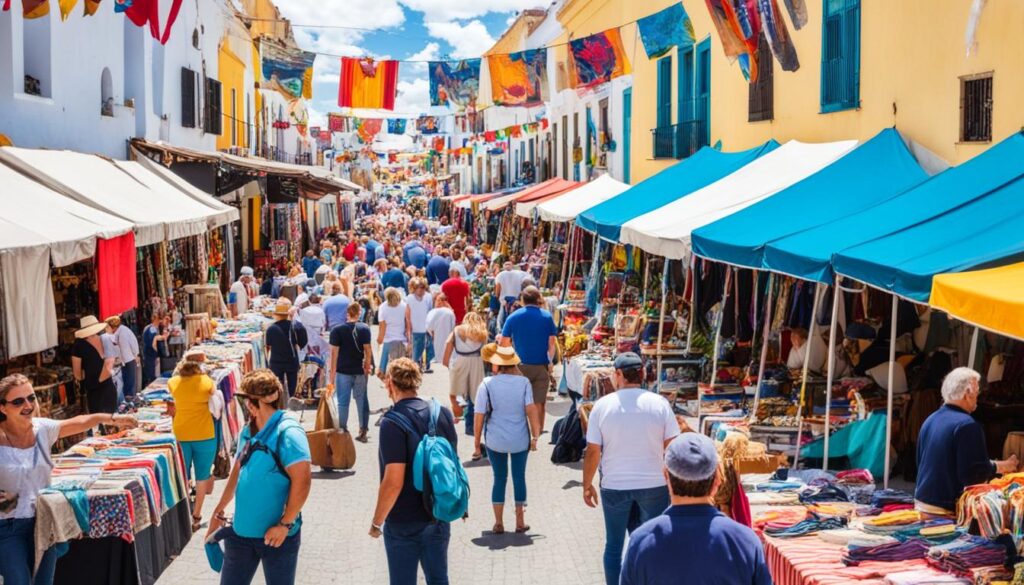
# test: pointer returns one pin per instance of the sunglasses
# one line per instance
(17, 402)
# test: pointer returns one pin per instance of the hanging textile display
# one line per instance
(285, 68)
(663, 30)
(454, 83)
(735, 45)
(66, 6)
(597, 59)
(427, 125)
(298, 116)
(336, 122)
(366, 83)
(33, 8)
(115, 274)
(91, 6)
(797, 13)
(439, 143)
(143, 12)
(778, 36)
(396, 125)
(368, 128)
(519, 79)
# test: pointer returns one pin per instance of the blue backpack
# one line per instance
(436, 469)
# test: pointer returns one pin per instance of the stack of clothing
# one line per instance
(965, 554)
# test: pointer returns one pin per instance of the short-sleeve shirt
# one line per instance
(511, 282)
(530, 328)
(262, 491)
(417, 256)
(92, 362)
(239, 295)
(631, 426)
(506, 396)
(192, 418)
(457, 291)
(351, 340)
(437, 270)
(685, 537)
(23, 472)
(395, 318)
(397, 447)
(282, 338)
(336, 309)
(393, 278)
(418, 310)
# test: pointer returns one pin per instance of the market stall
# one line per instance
(992, 299)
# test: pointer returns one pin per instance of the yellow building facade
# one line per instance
(913, 65)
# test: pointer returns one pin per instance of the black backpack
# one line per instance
(568, 437)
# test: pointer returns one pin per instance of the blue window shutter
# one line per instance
(685, 82)
(840, 55)
(665, 91)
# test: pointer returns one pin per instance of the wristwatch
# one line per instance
(288, 525)
(376, 527)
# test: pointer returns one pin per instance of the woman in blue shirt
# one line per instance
(509, 420)
(271, 478)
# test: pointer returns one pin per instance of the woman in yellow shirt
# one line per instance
(193, 427)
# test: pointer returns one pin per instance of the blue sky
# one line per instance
(396, 29)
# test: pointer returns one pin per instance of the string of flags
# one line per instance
(141, 13)
(367, 129)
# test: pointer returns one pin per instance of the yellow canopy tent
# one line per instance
(992, 299)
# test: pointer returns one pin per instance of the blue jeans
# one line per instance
(503, 313)
(620, 516)
(385, 353)
(413, 544)
(348, 387)
(17, 554)
(128, 374)
(422, 349)
(499, 465)
(242, 556)
(467, 414)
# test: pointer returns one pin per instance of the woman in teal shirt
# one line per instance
(271, 478)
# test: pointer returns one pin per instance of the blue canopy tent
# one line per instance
(706, 166)
(875, 171)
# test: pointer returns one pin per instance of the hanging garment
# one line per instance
(519, 79)
(665, 29)
(366, 83)
(597, 59)
(733, 43)
(454, 83)
(797, 13)
(778, 36)
(397, 126)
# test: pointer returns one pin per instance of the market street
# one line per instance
(563, 546)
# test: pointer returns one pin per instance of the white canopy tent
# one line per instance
(100, 183)
(39, 226)
(575, 202)
(666, 230)
(157, 176)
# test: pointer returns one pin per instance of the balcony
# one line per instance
(680, 141)
(280, 155)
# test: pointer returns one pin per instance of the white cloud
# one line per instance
(448, 10)
(469, 40)
(431, 52)
(358, 14)
(413, 96)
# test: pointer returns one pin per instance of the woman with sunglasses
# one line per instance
(25, 444)
(271, 479)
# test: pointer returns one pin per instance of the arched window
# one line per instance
(106, 93)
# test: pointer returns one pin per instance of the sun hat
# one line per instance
(499, 356)
(89, 326)
(691, 457)
(283, 308)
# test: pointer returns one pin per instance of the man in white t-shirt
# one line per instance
(241, 292)
(508, 285)
(627, 435)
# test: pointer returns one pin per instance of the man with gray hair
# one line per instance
(692, 533)
(951, 452)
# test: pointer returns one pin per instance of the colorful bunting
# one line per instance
(91, 6)
(366, 83)
(66, 6)
(143, 12)
(396, 125)
(663, 30)
(427, 125)
(335, 122)
(519, 79)
(367, 128)
(454, 83)
(33, 8)
(597, 59)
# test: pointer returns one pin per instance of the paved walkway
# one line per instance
(563, 547)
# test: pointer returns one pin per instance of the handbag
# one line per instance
(221, 466)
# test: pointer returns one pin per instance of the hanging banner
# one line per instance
(427, 125)
(396, 125)
(143, 12)
(368, 128)
(335, 122)
(519, 79)
(366, 83)
(285, 68)
(663, 30)
(298, 115)
(597, 59)
(454, 83)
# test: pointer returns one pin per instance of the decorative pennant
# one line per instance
(439, 143)
(427, 125)
(335, 122)
(366, 83)
(597, 59)
(544, 124)
(454, 83)
(66, 6)
(514, 131)
(663, 30)
(490, 136)
(143, 12)
(519, 79)
(6, 6)
(396, 125)
(368, 128)
(91, 6)
(33, 8)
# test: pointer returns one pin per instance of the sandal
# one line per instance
(197, 523)
(522, 529)
(478, 456)
(498, 529)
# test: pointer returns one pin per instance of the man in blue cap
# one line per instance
(692, 537)
(627, 434)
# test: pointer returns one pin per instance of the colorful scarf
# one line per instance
(366, 83)
(778, 36)
(519, 79)
(597, 59)
(454, 83)
(663, 30)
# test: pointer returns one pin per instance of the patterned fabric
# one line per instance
(91, 6)
(454, 83)
(335, 122)
(735, 44)
(368, 128)
(366, 83)
(597, 59)
(519, 79)
(427, 125)
(778, 36)
(33, 8)
(396, 125)
(111, 515)
(285, 68)
(663, 30)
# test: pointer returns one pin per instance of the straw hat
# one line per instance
(283, 308)
(499, 356)
(89, 326)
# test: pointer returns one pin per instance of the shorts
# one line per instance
(199, 455)
(540, 381)
(465, 377)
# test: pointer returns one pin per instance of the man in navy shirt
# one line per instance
(394, 278)
(284, 340)
(692, 537)
(951, 451)
(437, 267)
(531, 331)
(310, 263)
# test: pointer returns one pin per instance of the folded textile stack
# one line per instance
(908, 550)
(814, 523)
(892, 522)
(780, 517)
(966, 553)
(854, 537)
(882, 498)
(985, 504)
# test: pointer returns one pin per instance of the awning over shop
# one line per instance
(666, 231)
(706, 166)
(992, 299)
(879, 169)
(531, 193)
(39, 226)
(158, 178)
(467, 201)
(809, 254)
(99, 183)
(525, 208)
(575, 202)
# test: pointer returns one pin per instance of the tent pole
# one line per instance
(764, 344)
(693, 298)
(566, 273)
(647, 278)
(836, 291)
(888, 405)
(811, 332)
(974, 349)
(661, 321)
(718, 339)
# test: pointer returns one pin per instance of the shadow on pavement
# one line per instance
(572, 483)
(332, 475)
(502, 541)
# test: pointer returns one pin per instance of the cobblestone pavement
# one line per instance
(563, 546)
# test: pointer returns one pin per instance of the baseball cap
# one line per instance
(691, 457)
(628, 361)
(246, 271)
